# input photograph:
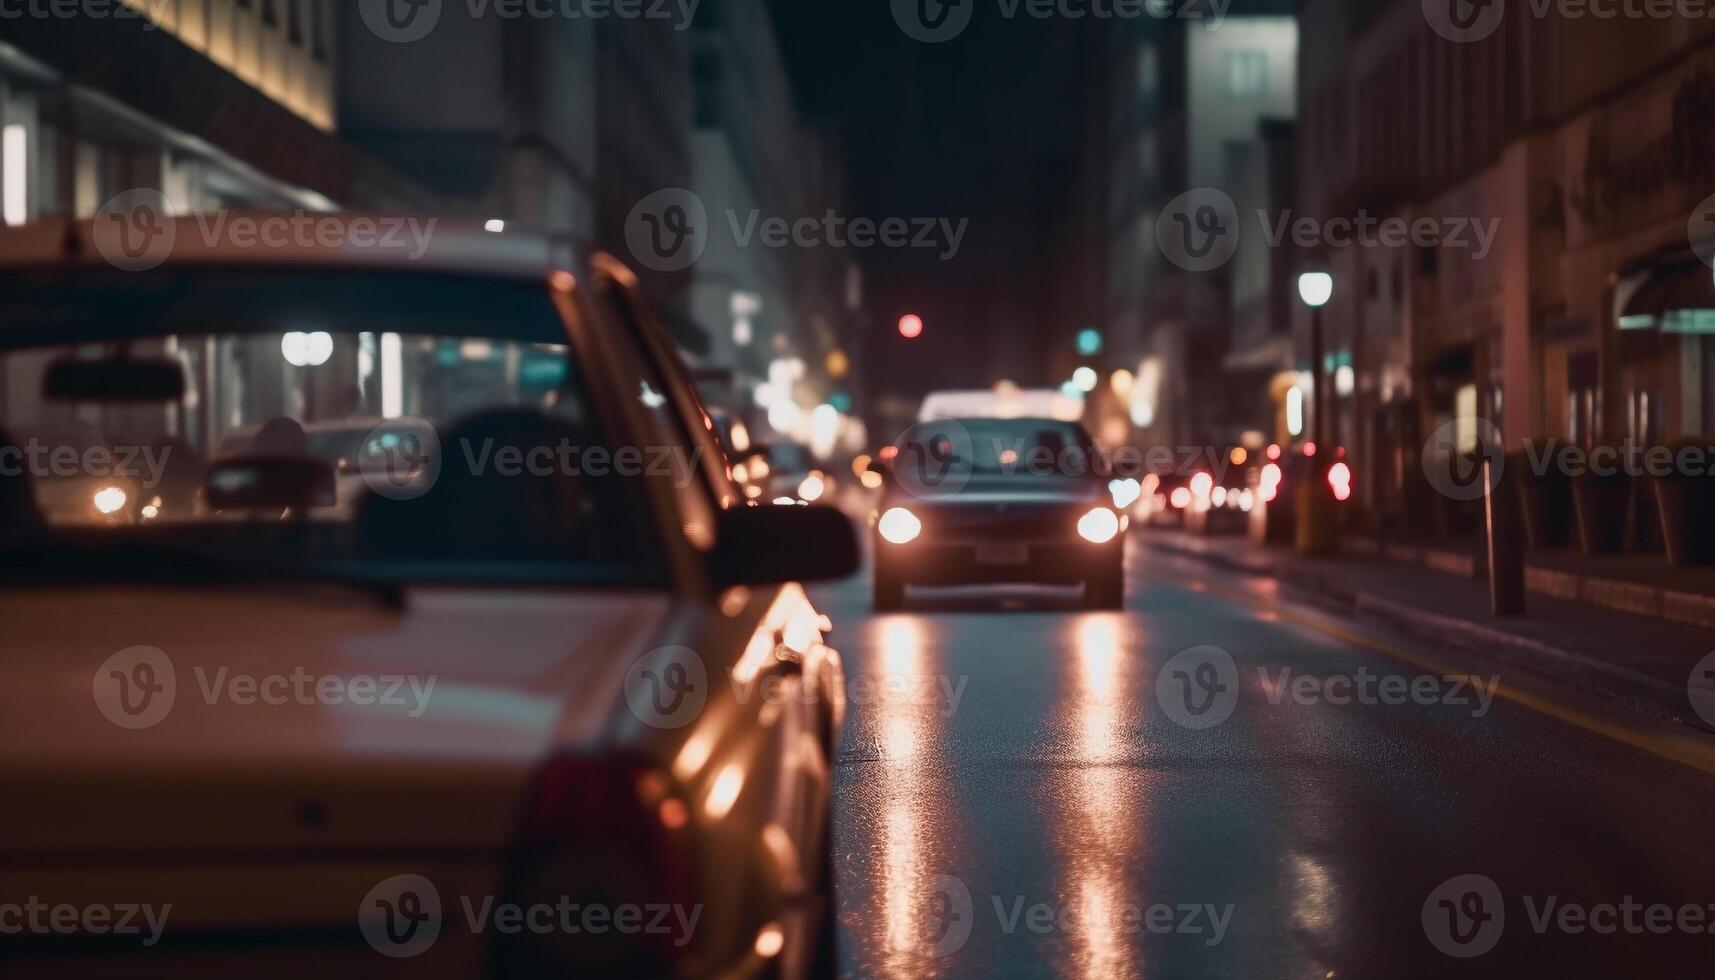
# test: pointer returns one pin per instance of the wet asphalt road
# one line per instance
(1027, 790)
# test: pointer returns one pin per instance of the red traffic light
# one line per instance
(911, 326)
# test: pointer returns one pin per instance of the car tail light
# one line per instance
(1268, 487)
(600, 833)
(1340, 481)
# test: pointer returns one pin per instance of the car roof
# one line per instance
(409, 243)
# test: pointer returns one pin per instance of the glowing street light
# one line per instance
(911, 326)
(1316, 289)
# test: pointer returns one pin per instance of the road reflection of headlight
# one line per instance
(1099, 526)
(899, 526)
(109, 500)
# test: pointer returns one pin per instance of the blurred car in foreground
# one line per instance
(549, 660)
(988, 501)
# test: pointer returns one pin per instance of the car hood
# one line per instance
(298, 716)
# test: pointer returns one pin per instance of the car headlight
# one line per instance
(812, 488)
(109, 500)
(899, 526)
(1099, 526)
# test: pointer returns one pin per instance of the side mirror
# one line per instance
(773, 545)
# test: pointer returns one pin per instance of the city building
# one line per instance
(1556, 283)
(780, 318)
(1194, 110)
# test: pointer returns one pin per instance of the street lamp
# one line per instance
(1315, 531)
(1316, 289)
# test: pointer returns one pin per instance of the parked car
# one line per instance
(981, 501)
(550, 660)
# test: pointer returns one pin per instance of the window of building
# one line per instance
(1247, 74)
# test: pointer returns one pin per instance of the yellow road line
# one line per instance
(1689, 751)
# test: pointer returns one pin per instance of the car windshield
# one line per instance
(381, 425)
(1022, 448)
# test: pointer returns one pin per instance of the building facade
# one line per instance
(1556, 166)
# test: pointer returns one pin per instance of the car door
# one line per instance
(791, 695)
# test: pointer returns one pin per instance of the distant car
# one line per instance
(551, 660)
(981, 501)
(785, 473)
(1221, 499)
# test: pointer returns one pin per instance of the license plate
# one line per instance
(1002, 554)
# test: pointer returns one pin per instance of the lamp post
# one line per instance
(1315, 499)
(1316, 289)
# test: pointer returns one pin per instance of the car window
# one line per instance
(410, 426)
(673, 454)
(1000, 448)
(694, 420)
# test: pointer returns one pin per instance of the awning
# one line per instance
(1676, 298)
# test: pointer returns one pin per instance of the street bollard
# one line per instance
(1314, 501)
(1506, 538)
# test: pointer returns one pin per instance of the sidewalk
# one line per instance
(1643, 661)
(1644, 584)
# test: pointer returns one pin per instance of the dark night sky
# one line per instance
(984, 127)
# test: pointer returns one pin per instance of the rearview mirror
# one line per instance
(119, 380)
(773, 545)
(270, 483)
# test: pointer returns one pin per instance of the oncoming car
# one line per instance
(987, 501)
(521, 670)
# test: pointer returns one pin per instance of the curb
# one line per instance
(1650, 695)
